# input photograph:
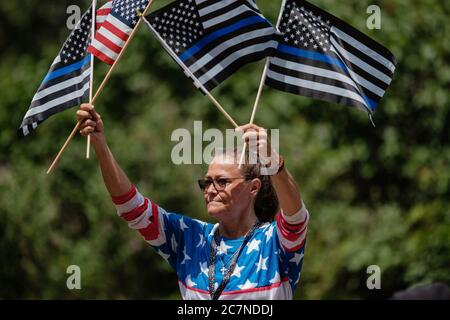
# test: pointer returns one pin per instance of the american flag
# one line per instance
(116, 28)
(213, 39)
(102, 13)
(67, 82)
(323, 57)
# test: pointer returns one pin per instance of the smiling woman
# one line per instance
(254, 251)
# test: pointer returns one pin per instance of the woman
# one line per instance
(251, 253)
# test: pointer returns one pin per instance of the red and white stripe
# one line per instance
(110, 39)
(142, 215)
(102, 13)
(292, 230)
(278, 291)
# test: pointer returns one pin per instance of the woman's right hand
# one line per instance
(91, 122)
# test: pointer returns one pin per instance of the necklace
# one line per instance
(224, 268)
(215, 294)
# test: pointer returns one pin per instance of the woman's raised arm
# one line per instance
(284, 184)
(115, 179)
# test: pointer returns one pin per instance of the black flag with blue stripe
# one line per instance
(213, 38)
(322, 57)
(67, 82)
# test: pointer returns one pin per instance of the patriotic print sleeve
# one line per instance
(291, 230)
(141, 214)
(162, 230)
(291, 234)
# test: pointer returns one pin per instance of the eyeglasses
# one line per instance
(219, 184)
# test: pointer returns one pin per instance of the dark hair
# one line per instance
(266, 202)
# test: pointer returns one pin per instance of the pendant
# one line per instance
(223, 270)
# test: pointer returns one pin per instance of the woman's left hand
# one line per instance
(258, 142)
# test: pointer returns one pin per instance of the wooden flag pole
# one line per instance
(255, 106)
(100, 89)
(261, 85)
(91, 78)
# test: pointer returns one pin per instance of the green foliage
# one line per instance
(376, 195)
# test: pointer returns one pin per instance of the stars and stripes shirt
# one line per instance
(268, 267)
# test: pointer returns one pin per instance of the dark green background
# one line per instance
(376, 195)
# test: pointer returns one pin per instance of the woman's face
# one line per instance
(230, 194)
